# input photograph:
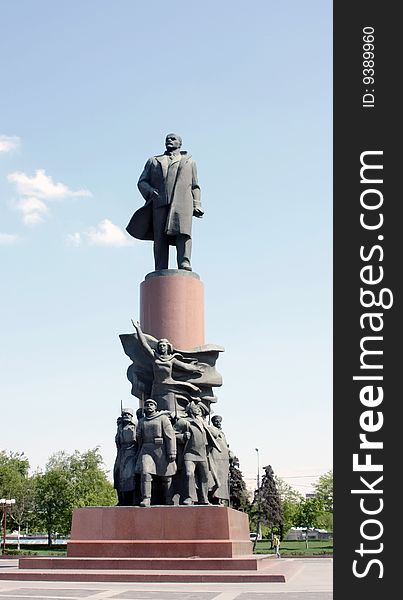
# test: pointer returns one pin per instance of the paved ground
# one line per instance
(311, 582)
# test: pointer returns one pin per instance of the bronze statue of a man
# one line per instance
(169, 186)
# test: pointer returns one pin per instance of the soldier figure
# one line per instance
(219, 464)
(123, 471)
(157, 451)
(196, 436)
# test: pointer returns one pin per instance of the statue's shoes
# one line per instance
(145, 502)
(185, 267)
(188, 501)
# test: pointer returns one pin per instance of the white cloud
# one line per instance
(32, 209)
(8, 239)
(74, 239)
(105, 233)
(42, 186)
(36, 191)
(8, 143)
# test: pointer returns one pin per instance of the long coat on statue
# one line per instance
(180, 192)
(156, 441)
(125, 462)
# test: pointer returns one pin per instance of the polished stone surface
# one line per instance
(172, 307)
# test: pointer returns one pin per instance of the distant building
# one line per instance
(299, 533)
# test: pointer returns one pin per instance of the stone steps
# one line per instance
(264, 575)
(244, 563)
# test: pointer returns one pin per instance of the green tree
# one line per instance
(290, 500)
(324, 490)
(71, 481)
(308, 516)
(239, 496)
(16, 483)
(22, 513)
(324, 493)
(13, 467)
(91, 486)
(267, 502)
(54, 501)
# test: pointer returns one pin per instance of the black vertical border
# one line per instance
(358, 129)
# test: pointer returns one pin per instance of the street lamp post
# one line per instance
(5, 504)
(258, 470)
(258, 500)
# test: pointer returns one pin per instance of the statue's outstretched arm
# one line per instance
(192, 367)
(197, 207)
(142, 339)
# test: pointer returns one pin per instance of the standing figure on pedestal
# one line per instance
(195, 435)
(124, 468)
(219, 492)
(164, 387)
(157, 451)
(169, 186)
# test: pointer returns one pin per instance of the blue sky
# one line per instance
(89, 91)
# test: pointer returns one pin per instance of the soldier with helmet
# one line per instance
(156, 451)
(123, 471)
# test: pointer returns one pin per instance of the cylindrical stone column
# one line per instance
(172, 307)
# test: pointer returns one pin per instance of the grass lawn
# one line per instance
(36, 550)
(295, 548)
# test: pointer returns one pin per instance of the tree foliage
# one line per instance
(309, 514)
(290, 500)
(87, 477)
(16, 483)
(309, 511)
(267, 501)
(71, 481)
(324, 491)
(239, 496)
(46, 499)
(54, 501)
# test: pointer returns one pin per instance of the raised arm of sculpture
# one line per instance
(142, 339)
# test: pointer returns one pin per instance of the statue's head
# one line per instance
(196, 409)
(127, 414)
(150, 406)
(193, 409)
(173, 141)
(216, 421)
(164, 347)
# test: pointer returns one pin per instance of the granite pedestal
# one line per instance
(172, 307)
(160, 543)
(159, 532)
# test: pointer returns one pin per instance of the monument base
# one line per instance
(159, 532)
(156, 544)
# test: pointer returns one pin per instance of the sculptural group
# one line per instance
(163, 459)
(172, 377)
